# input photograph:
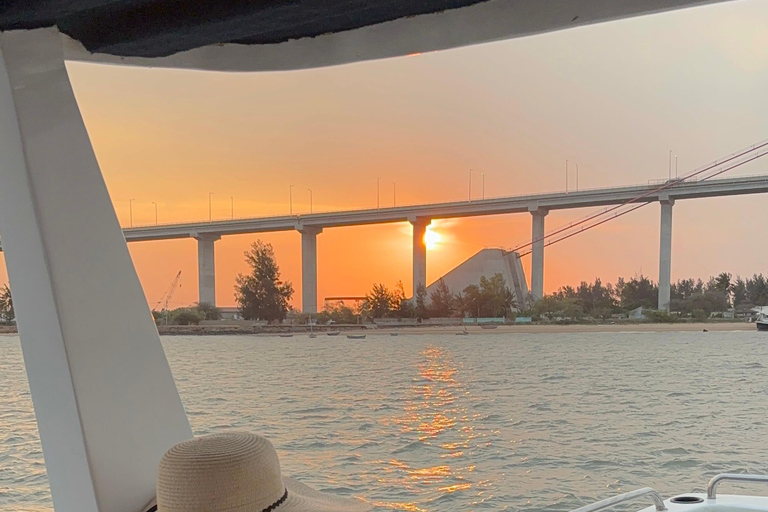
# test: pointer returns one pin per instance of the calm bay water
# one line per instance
(448, 423)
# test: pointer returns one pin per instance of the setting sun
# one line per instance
(431, 238)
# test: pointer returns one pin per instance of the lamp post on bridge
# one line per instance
(310, 200)
(154, 203)
(670, 164)
(482, 174)
(394, 194)
(210, 209)
(566, 176)
(378, 196)
(290, 200)
(130, 211)
(469, 195)
(232, 207)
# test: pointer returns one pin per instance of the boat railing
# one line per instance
(735, 477)
(621, 498)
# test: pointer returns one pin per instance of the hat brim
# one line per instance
(302, 498)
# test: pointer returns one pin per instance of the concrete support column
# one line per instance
(206, 268)
(419, 252)
(665, 254)
(537, 252)
(309, 269)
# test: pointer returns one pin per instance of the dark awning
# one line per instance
(151, 29)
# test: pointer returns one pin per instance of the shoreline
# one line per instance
(249, 330)
(210, 330)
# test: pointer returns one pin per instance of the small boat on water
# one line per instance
(762, 320)
(333, 333)
(488, 326)
(356, 336)
(394, 334)
(286, 335)
(313, 335)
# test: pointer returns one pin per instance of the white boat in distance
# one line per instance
(106, 404)
(762, 318)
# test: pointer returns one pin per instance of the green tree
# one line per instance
(378, 303)
(757, 290)
(338, 313)
(637, 292)
(490, 298)
(261, 295)
(723, 283)
(440, 300)
(403, 308)
(208, 311)
(558, 307)
(739, 292)
(498, 299)
(421, 301)
(7, 314)
(186, 316)
(473, 300)
(460, 307)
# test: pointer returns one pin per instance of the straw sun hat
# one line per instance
(236, 472)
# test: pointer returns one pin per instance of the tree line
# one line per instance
(489, 298)
(261, 294)
(688, 297)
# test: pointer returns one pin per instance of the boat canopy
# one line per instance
(243, 35)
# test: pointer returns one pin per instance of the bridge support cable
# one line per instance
(711, 167)
(638, 206)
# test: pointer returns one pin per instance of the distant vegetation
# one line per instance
(490, 298)
(187, 315)
(261, 295)
(689, 298)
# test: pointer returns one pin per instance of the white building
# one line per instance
(488, 262)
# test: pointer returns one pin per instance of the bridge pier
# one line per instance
(309, 269)
(537, 251)
(419, 252)
(206, 268)
(665, 253)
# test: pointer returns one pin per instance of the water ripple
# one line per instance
(430, 423)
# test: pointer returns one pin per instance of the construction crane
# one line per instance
(168, 296)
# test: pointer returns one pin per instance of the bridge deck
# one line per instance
(475, 208)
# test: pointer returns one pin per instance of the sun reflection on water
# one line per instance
(437, 424)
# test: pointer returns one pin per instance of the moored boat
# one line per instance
(762, 320)
(356, 336)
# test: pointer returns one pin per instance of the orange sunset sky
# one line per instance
(614, 98)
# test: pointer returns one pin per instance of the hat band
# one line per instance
(277, 503)
(270, 508)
